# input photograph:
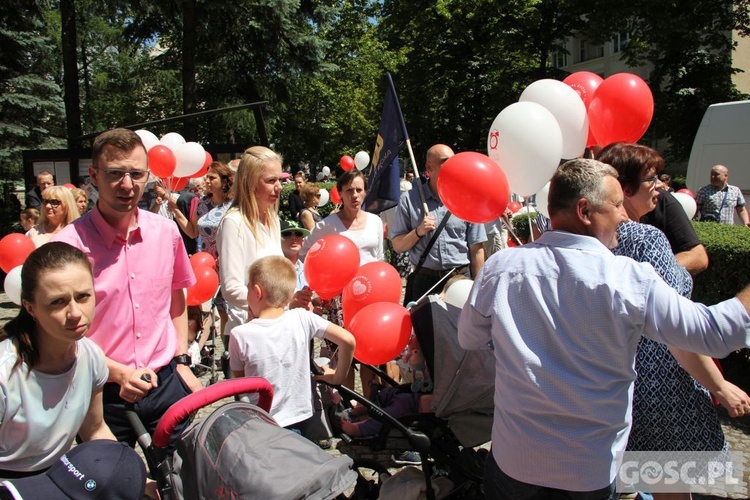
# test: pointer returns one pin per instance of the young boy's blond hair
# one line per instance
(276, 277)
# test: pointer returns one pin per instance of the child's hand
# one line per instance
(328, 376)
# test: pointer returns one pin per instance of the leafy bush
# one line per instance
(728, 272)
(284, 213)
(520, 224)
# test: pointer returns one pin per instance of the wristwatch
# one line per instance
(182, 359)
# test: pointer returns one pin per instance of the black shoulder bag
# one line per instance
(412, 276)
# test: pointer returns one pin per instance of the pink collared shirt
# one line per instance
(133, 281)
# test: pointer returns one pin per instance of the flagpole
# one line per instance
(417, 178)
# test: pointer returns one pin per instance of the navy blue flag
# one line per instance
(384, 178)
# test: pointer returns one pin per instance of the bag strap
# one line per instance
(723, 201)
(432, 241)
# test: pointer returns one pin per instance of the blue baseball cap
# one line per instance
(100, 469)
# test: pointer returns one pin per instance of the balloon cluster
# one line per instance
(173, 159)
(556, 120)
(361, 160)
(14, 249)
(207, 281)
(370, 297)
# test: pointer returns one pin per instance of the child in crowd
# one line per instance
(29, 218)
(276, 344)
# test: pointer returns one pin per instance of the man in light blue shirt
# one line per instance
(564, 316)
(459, 245)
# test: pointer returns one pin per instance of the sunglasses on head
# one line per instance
(298, 234)
(53, 202)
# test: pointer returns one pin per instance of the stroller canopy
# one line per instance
(464, 381)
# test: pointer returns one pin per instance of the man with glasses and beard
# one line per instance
(141, 271)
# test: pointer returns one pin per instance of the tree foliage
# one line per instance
(321, 65)
(689, 44)
(31, 106)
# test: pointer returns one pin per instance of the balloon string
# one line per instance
(528, 214)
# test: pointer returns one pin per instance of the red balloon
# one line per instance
(347, 163)
(473, 187)
(374, 282)
(161, 161)
(69, 185)
(330, 264)
(175, 183)
(202, 259)
(335, 196)
(14, 248)
(204, 169)
(686, 191)
(205, 287)
(621, 109)
(382, 331)
(514, 206)
(585, 84)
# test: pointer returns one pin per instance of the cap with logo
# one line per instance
(292, 227)
(100, 469)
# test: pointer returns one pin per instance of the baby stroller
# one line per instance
(238, 451)
(462, 404)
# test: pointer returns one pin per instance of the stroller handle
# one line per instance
(197, 400)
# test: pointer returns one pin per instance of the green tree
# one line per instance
(690, 47)
(31, 108)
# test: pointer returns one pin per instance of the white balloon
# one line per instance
(324, 197)
(190, 158)
(568, 109)
(526, 141)
(148, 138)
(172, 140)
(541, 200)
(458, 292)
(361, 160)
(326, 171)
(687, 202)
(13, 285)
(319, 176)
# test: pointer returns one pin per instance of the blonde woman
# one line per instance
(82, 200)
(58, 210)
(250, 228)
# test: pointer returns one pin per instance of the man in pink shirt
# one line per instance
(140, 272)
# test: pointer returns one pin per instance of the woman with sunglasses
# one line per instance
(688, 422)
(59, 209)
(309, 215)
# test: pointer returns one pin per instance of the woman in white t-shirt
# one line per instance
(51, 375)
(363, 228)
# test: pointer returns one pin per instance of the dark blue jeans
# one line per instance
(500, 486)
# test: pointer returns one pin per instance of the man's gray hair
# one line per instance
(576, 179)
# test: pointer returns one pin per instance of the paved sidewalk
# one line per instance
(737, 431)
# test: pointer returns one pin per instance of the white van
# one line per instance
(723, 138)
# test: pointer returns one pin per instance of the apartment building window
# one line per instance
(620, 41)
(581, 50)
(560, 59)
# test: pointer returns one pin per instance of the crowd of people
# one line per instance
(591, 325)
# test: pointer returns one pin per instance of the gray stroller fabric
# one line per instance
(464, 380)
(240, 452)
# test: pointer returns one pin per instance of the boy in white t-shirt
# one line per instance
(276, 344)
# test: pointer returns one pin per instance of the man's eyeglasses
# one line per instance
(650, 180)
(298, 234)
(52, 202)
(117, 175)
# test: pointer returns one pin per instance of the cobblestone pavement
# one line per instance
(737, 431)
